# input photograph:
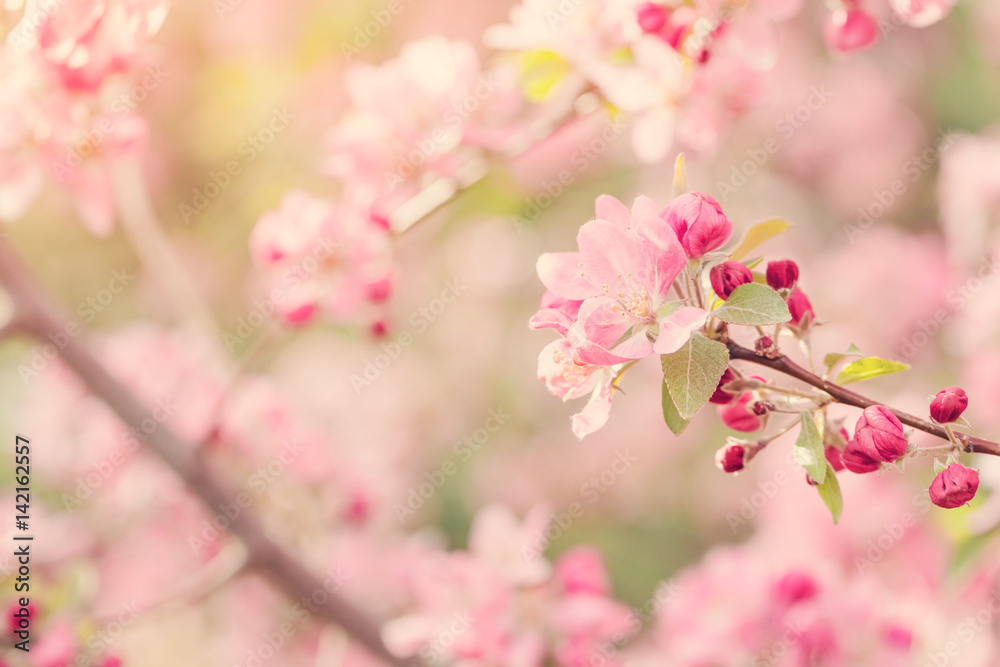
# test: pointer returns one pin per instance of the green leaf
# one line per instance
(753, 304)
(671, 415)
(757, 234)
(835, 358)
(809, 450)
(693, 372)
(829, 491)
(680, 176)
(868, 368)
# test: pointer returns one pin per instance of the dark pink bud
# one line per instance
(727, 276)
(879, 434)
(763, 344)
(782, 274)
(731, 457)
(761, 408)
(834, 458)
(799, 306)
(722, 397)
(849, 30)
(699, 223)
(954, 486)
(795, 587)
(737, 415)
(857, 460)
(949, 404)
(651, 17)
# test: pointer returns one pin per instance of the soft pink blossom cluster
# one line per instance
(65, 113)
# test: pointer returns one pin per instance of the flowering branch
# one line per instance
(783, 364)
(38, 314)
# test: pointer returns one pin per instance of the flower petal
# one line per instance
(562, 274)
(677, 328)
(605, 325)
(595, 414)
(611, 210)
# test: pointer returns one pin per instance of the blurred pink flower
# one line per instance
(318, 255)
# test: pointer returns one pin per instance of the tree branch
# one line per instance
(37, 313)
(783, 364)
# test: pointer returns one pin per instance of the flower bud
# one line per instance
(795, 587)
(727, 276)
(850, 29)
(799, 307)
(738, 416)
(782, 274)
(954, 486)
(880, 434)
(949, 404)
(722, 397)
(761, 408)
(651, 17)
(834, 458)
(730, 458)
(763, 345)
(699, 223)
(857, 460)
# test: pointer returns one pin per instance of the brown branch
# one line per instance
(37, 313)
(783, 364)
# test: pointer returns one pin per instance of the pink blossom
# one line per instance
(320, 255)
(86, 41)
(739, 417)
(921, 13)
(568, 376)
(949, 404)
(849, 29)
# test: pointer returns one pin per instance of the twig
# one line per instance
(38, 314)
(783, 364)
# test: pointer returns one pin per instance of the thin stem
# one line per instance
(783, 364)
(139, 222)
(38, 314)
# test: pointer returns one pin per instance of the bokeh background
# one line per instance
(899, 273)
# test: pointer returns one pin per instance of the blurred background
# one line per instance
(370, 441)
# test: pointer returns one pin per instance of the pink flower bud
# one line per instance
(723, 397)
(799, 307)
(850, 30)
(763, 345)
(651, 17)
(782, 274)
(879, 434)
(949, 404)
(795, 587)
(954, 486)
(727, 276)
(732, 456)
(737, 415)
(857, 460)
(834, 458)
(699, 223)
